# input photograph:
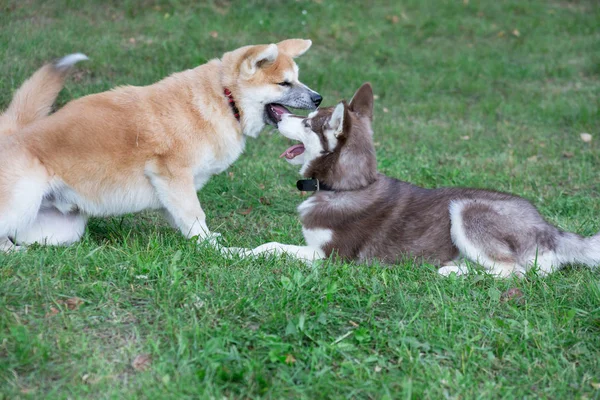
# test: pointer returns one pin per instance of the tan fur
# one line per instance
(33, 100)
(154, 145)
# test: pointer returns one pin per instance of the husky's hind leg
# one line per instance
(487, 235)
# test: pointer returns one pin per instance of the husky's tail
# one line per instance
(34, 99)
(573, 248)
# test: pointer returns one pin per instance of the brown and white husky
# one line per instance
(362, 215)
(136, 148)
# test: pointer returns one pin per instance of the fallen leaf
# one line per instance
(264, 201)
(231, 174)
(516, 32)
(73, 303)
(246, 211)
(142, 362)
(394, 18)
(512, 294)
(261, 186)
(465, 137)
(354, 324)
(377, 368)
(500, 34)
(53, 311)
(567, 154)
(586, 137)
(214, 34)
(289, 359)
(595, 385)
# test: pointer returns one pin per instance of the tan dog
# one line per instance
(136, 148)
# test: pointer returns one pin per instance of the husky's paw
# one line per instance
(446, 270)
(230, 252)
(211, 239)
(7, 246)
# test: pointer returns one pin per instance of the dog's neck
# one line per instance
(234, 109)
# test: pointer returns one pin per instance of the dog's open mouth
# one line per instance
(293, 151)
(275, 112)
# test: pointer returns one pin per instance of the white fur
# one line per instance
(70, 60)
(317, 238)
(51, 227)
(336, 122)
(469, 250)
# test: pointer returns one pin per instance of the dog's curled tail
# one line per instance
(34, 99)
(573, 248)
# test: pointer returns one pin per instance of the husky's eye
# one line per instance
(285, 83)
(306, 123)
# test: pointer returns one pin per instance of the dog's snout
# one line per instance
(316, 98)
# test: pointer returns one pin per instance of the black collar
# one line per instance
(312, 185)
(236, 112)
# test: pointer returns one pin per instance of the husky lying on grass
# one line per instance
(362, 215)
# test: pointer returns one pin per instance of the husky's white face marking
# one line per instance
(318, 134)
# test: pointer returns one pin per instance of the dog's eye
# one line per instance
(285, 83)
(306, 123)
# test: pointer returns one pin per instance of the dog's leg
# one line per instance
(478, 231)
(6, 245)
(53, 228)
(458, 267)
(304, 253)
(180, 200)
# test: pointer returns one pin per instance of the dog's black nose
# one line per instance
(316, 98)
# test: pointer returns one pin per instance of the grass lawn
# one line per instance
(491, 94)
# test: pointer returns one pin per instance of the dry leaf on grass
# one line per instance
(289, 359)
(595, 385)
(264, 201)
(214, 34)
(142, 362)
(515, 294)
(73, 303)
(567, 154)
(245, 211)
(586, 137)
(53, 311)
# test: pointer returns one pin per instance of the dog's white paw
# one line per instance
(211, 239)
(229, 252)
(446, 270)
(7, 246)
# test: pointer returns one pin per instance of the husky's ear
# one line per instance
(362, 102)
(259, 57)
(340, 120)
(294, 47)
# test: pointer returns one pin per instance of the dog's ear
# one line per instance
(362, 102)
(258, 57)
(294, 47)
(340, 119)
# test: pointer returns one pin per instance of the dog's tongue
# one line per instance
(278, 110)
(293, 151)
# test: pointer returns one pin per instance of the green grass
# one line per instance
(520, 79)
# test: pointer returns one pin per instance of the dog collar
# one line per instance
(236, 112)
(312, 185)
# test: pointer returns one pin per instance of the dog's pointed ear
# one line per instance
(362, 102)
(258, 57)
(340, 119)
(294, 47)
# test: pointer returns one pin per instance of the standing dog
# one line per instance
(136, 148)
(362, 215)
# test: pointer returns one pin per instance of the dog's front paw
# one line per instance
(229, 252)
(211, 239)
(449, 269)
(7, 246)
